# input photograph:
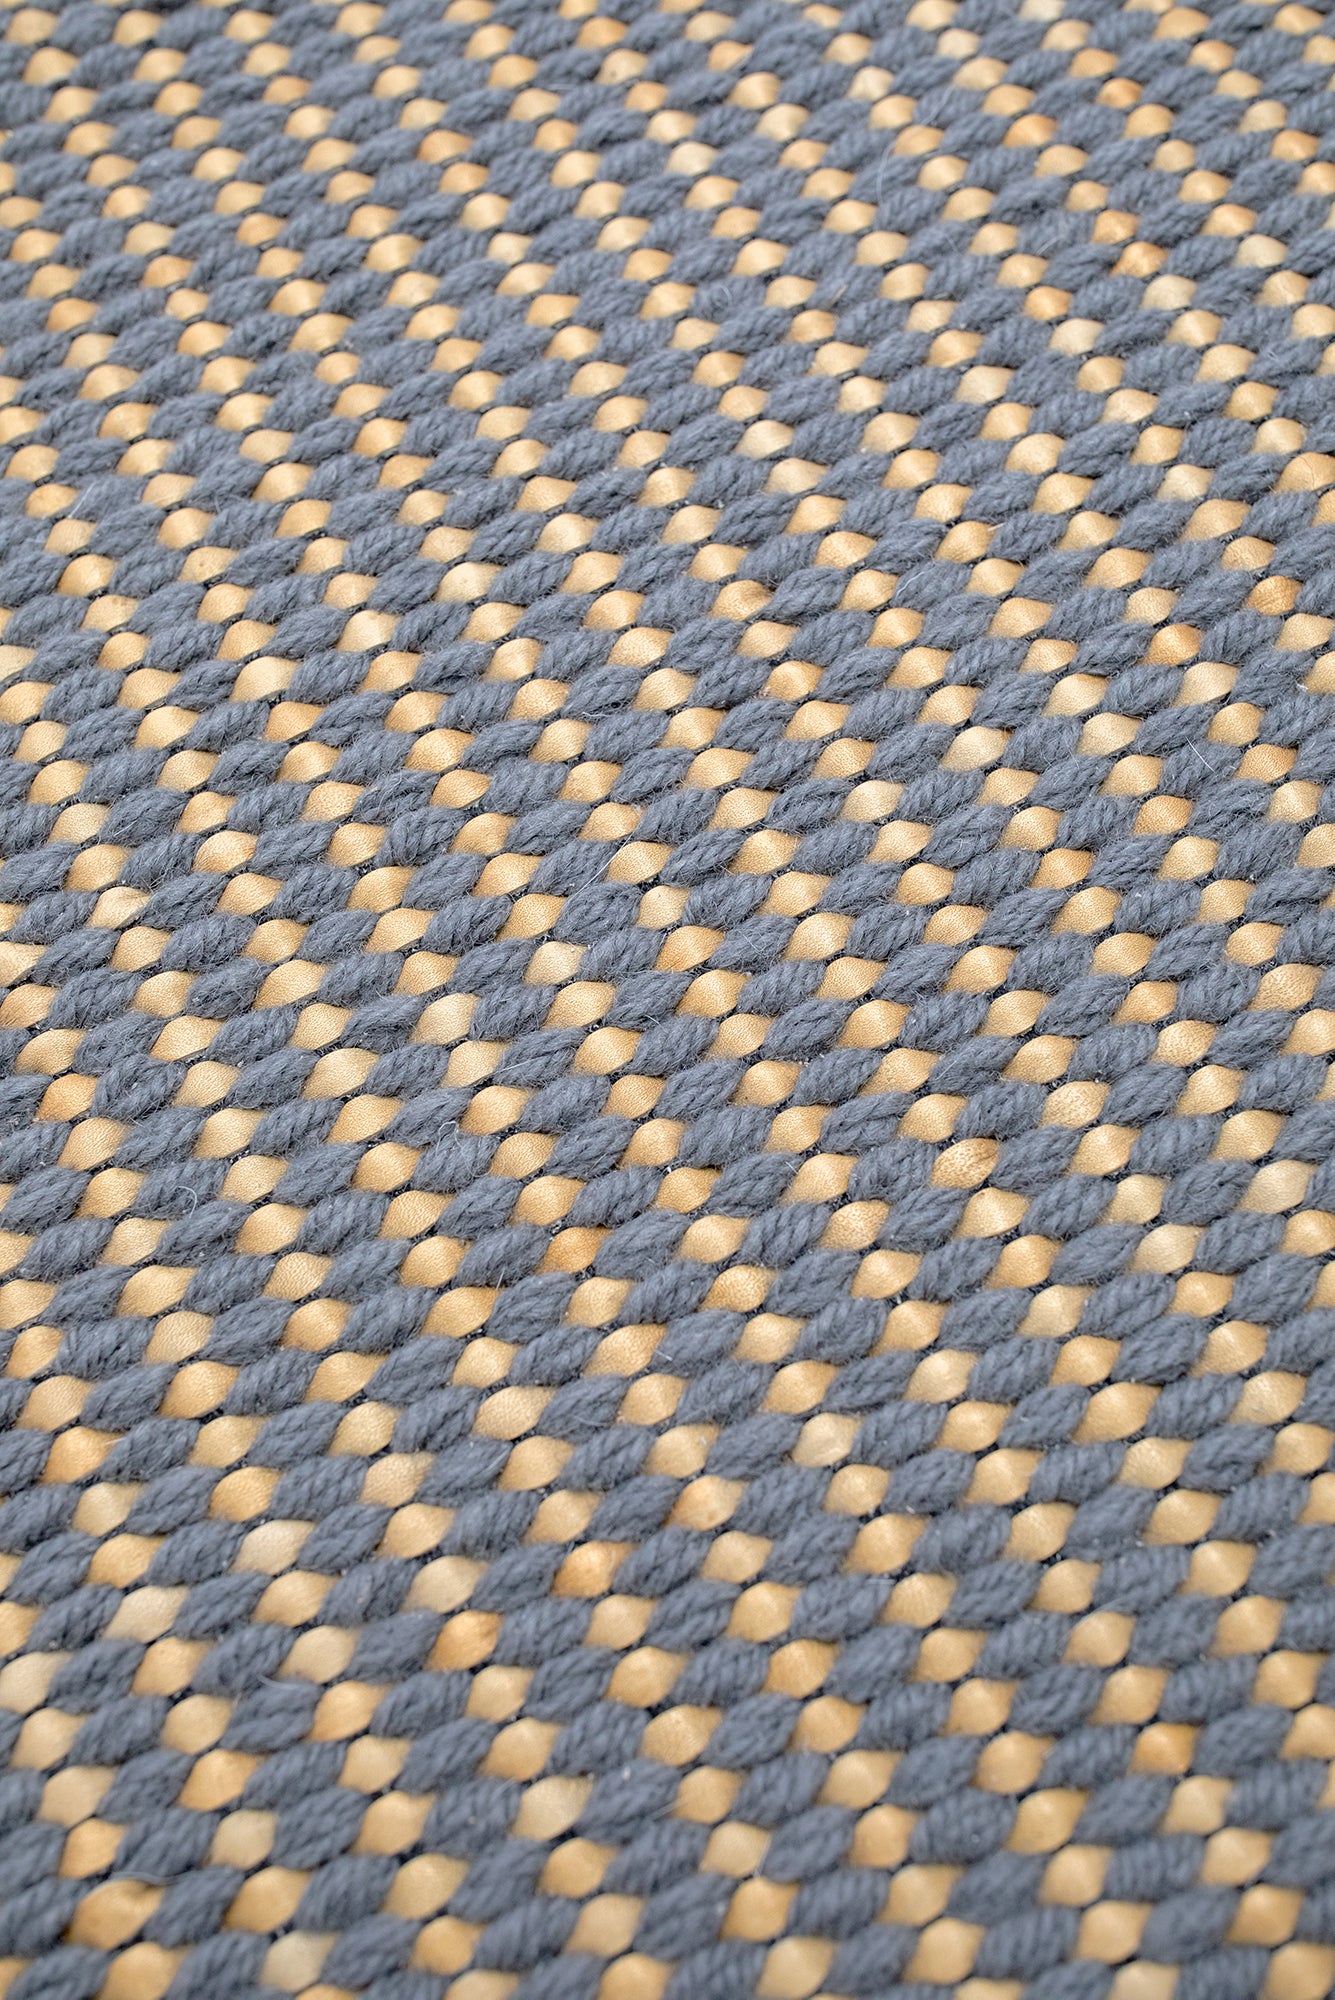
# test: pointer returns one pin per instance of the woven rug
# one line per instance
(667, 1305)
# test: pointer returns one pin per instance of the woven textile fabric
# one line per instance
(667, 1104)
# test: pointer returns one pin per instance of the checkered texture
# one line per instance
(669, 830)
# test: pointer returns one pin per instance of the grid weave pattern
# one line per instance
(667, 1319)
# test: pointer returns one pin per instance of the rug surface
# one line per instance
(667, 1312)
